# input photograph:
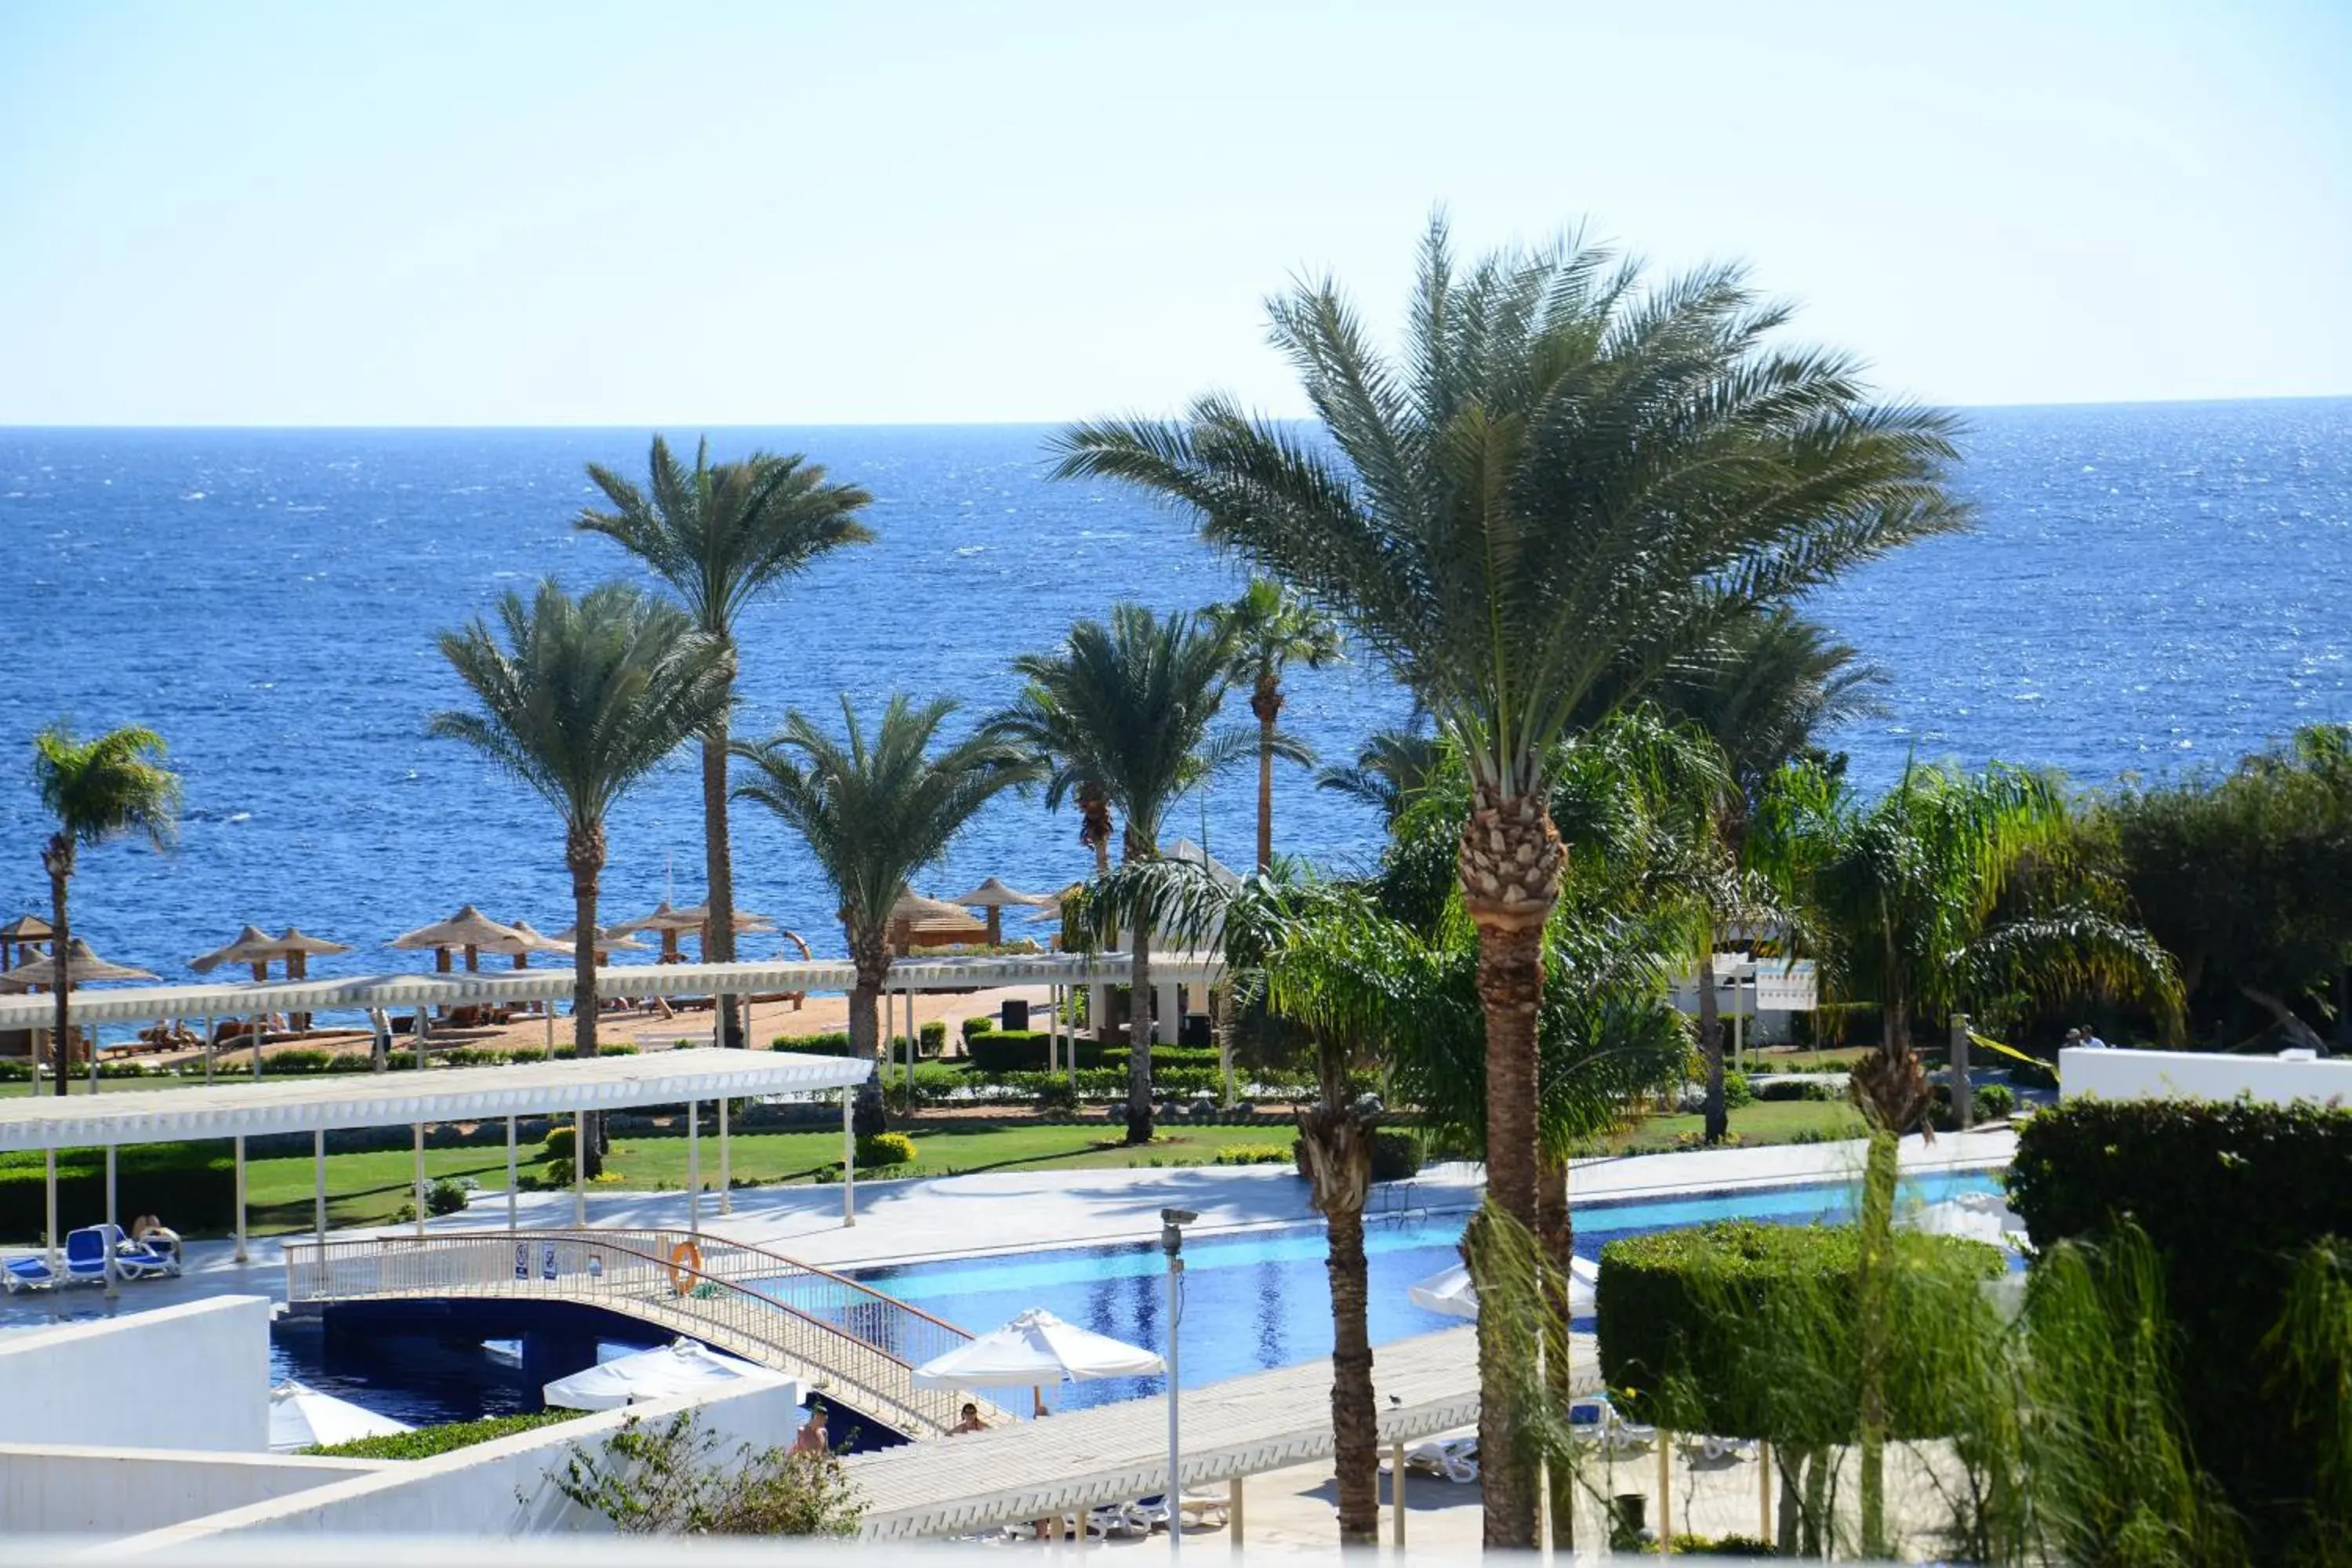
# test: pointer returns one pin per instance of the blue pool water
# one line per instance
(1261, 1300)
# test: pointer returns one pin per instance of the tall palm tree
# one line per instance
(720, 534)
(1271, 629)
(1920, 903)
(581, 700)
(1763, 694)
(1124, 713)
(874, 810)
(1568, 481)
(105, 787)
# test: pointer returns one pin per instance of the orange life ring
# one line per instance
(685, 1262)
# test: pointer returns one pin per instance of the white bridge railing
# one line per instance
(841, 1336)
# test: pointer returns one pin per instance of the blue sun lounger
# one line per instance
(28, 1274)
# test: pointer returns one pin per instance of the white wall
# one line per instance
(192, 1376)
(2191, 1075)
(503, 1487)
(122, 1491)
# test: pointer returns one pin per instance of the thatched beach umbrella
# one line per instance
(469, 929)
(931, 922)
(42, 972)
(668, 922)
(297, 947)
(23, 933)
(996, 897)
(527, 941)
(745, 921)
(252, 945)
(612, 938)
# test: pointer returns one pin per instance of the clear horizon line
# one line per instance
(1014, 424)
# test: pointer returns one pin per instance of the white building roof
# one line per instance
(399, 992)
(327, 1102)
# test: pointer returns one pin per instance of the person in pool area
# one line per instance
(970, 1421)
(812, 1439)
(2090, 1040)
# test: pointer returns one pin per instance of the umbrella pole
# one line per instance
(240, 1197)
(420, 1037)
(694, 1167)
(726, 1166)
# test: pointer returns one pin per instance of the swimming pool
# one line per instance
(1263, 1299)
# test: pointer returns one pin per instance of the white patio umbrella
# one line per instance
(682, 1366)
(1037, 1348)
(1451, 1292)
(1979, 1216)
(302, 1417)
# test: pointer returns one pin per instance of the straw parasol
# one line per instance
(916, 921)
(995, 898)
(746, 921)
(610, 940)
(298, 947)
(86, 967)
(468, 929)
(668, 921)
(252, 945)
(526, 942)
(23, 933)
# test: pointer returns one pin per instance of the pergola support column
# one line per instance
(694, 1166)
(848, 1160)
(726, 1164)
(579, 1170)
(49, 1179)
(240, 1198)
(512, 1177)
(111, 1221)
(319, 1181)
(417, 1166)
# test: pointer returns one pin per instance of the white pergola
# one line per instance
(323, 1104)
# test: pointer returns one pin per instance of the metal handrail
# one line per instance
(763, 1305)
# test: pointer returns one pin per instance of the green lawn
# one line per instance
(1763, 1122)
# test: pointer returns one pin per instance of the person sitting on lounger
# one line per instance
(970, 1422)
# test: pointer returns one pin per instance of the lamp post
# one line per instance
(1172, 1242)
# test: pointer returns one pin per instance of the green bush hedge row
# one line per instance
(1790, 1089)
(2229, 1195)
(428, 1441)
(189, 1186)
(1679, 1308)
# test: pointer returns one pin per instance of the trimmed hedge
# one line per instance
(1791, 1089)
(1681, 1307)
(428, 1441)
(189, 1187)
(833, 1045)
(2229, 1195)
(885, 1149)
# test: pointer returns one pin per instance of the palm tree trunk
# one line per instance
(719, 872)
(1555, 1234)
(869, 954)
(583, 852)
(1139, 1036)
(1509, 865)
(1710, 1041)
(1265, 794)
(1876, 1235)
(1337, 1148)
(58, 859)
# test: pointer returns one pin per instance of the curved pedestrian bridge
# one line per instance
(843, 1339)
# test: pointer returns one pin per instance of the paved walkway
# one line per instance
(1006, 1210)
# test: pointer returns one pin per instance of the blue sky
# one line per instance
(702, 213)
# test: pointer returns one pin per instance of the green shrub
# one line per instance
(553, 1176)
(1791, 1088)
(427, 1441)
(1685, 1545)
(14, 1071)
(1396, 1156)
(1682, 1314)
(561, 1142)
(528, 1054)
(189, 1186)
(2228, 1194)
(127, 1069)
(885, 1149)
(833, 1045)
(932, 1039)
(1021, 1050)
(617, 1049)
(1253, 1154)
(979, 1023)
(1056, 1095)
(446, 1196)
(1735, 1092)
(1993, 1101)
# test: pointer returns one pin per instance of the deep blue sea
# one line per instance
(2152, 588)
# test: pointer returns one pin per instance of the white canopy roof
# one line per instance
(385, 1099)
(662, 1372)
(1034, 1348)
(300, 1416)
(147, 1004)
